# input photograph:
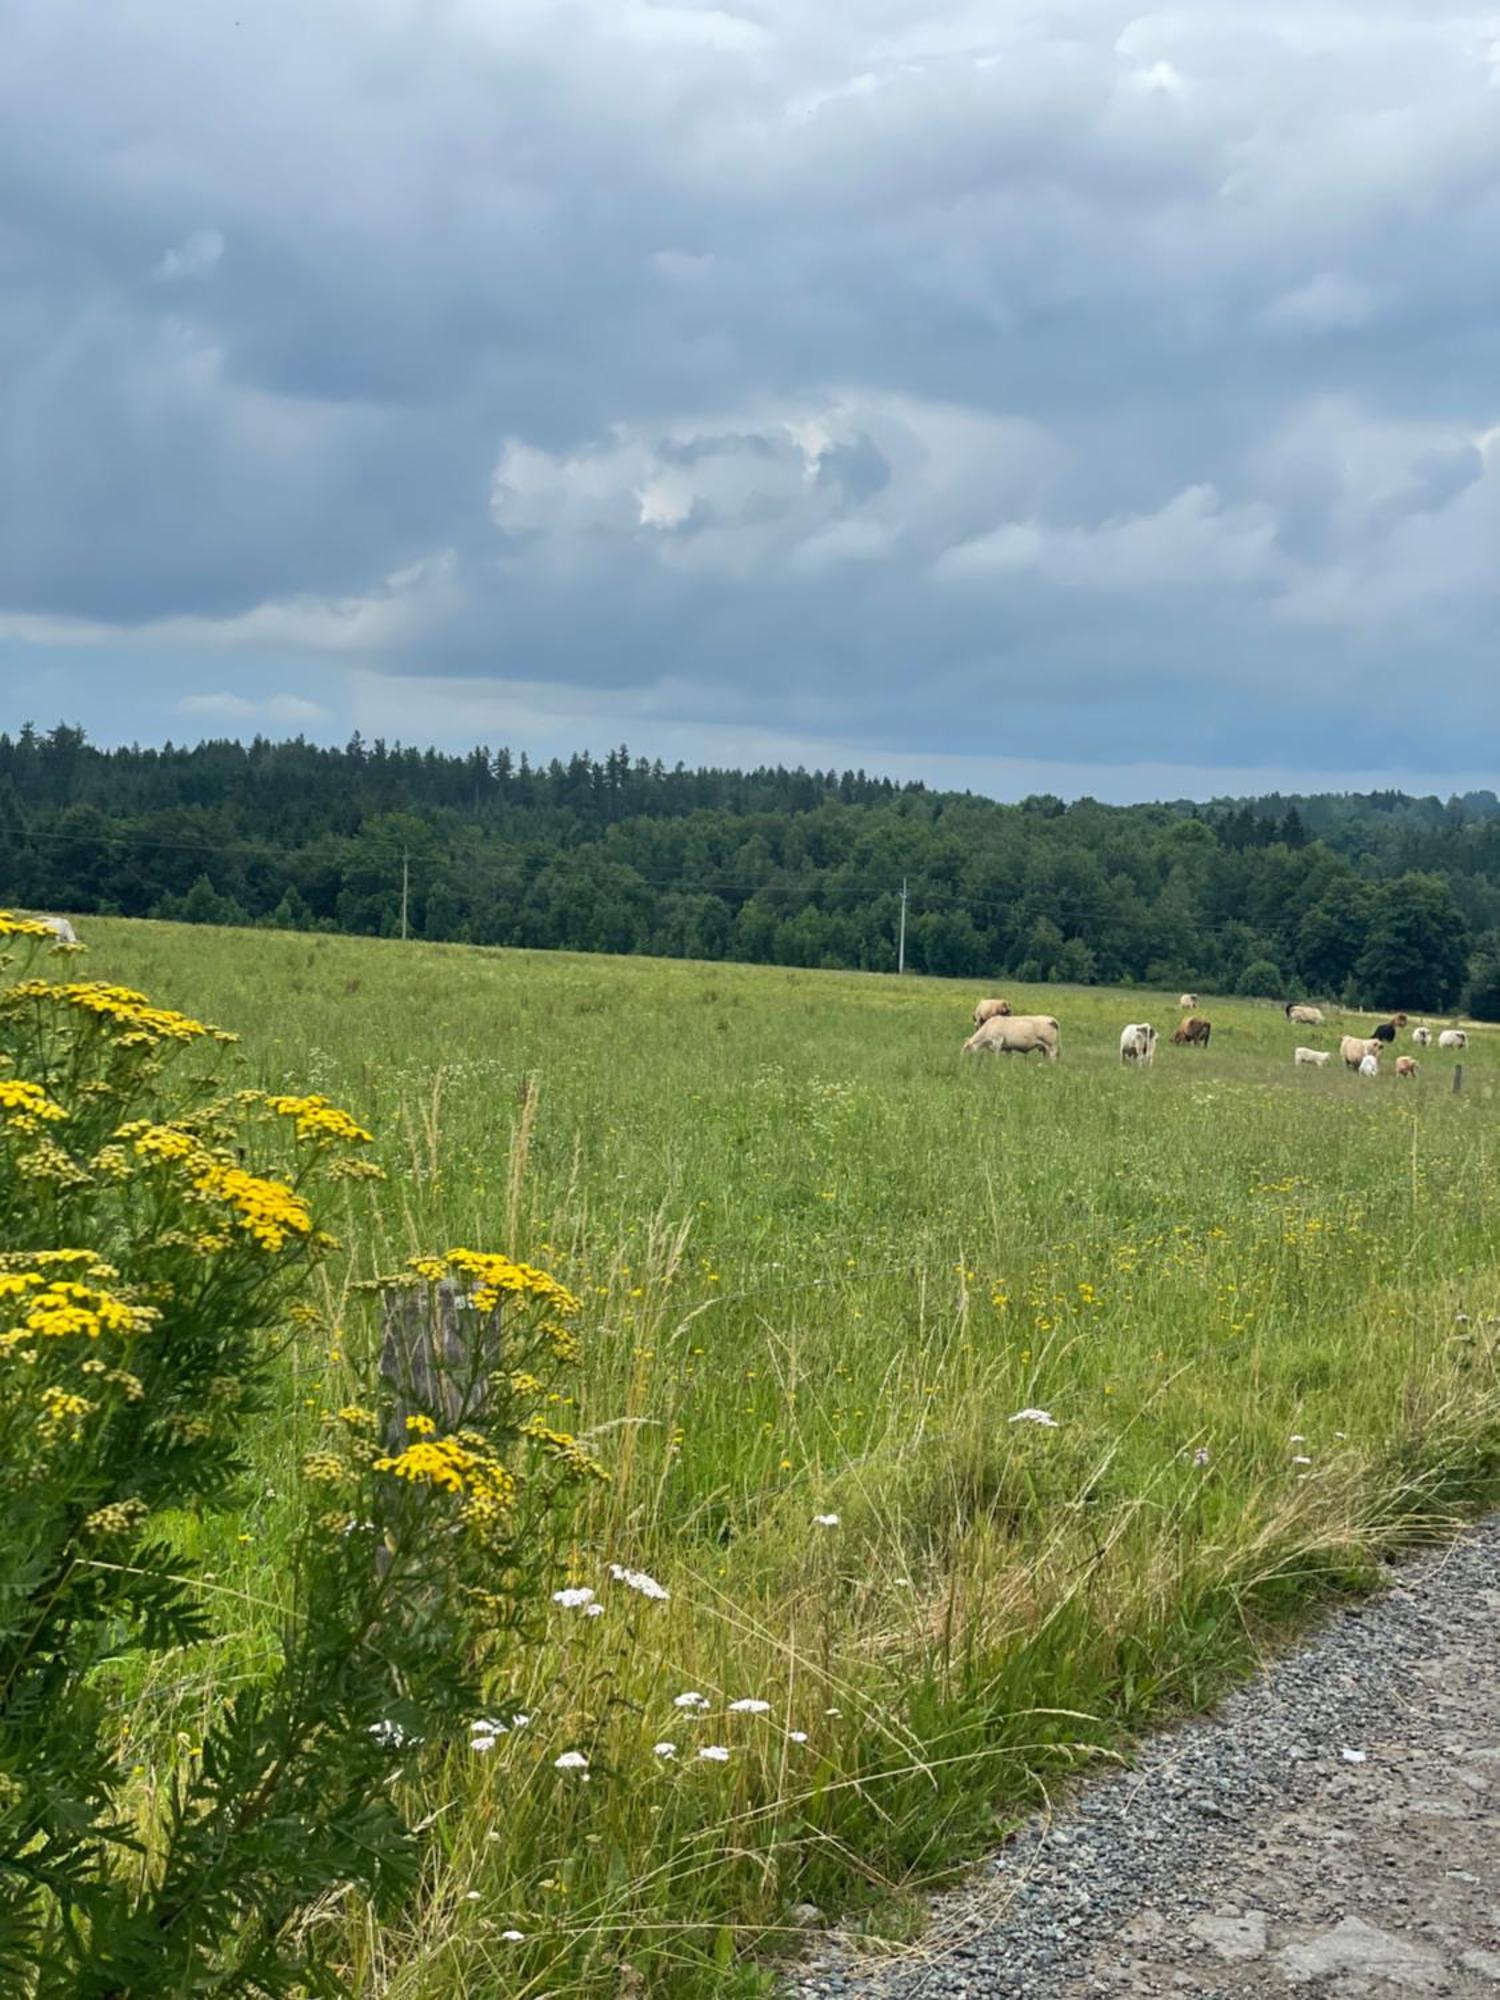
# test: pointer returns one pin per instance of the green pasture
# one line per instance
(825, 1262)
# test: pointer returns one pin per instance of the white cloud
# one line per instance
(1192, 542)
(196, 256)
(1330, 302)
(286, 709)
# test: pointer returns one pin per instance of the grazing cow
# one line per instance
(1385, 1032)
(1193, 1032)
(1311, 1058)
(1188, 1000)
(1406, 1065)
(988, 1009)
(1453, 1038)
(1369, 1065)
(1138, 1043)
(1307, 1017)
(1421, 1036)
(1354, 1049)
(1015, 1035)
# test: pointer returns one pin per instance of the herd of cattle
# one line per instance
(1003, 1032)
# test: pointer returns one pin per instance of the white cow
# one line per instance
(1453, 1038)
(1017, 1035)
(1188, 1000)
(1311, 1058)
(1369, 1066)
(1421, 1036)
(1138, 1043)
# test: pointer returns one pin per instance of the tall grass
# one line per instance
(826, 1263)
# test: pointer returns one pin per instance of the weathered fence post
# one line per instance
(436, 1357)
(1458, 1078)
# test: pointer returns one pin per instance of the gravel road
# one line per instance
(1332, 1829)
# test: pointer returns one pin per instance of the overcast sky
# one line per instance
(1027, 394)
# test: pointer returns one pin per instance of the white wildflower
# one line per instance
(825, 1520)
(513, 1937)
(1040, 1417)
(480, 1744)
(833, 1711)
(471, 1895)
(714, 1753)
(690, 1700)
(1200, 1456)
(593, 1610)
(574, 1599)
(796, 1736)
(1301, 1460)
(1296, 1438)
(570, 1760)
(520, 1721)
(637, 1579)
(663, 1749)
(748, 1705)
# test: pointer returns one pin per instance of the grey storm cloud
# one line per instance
(1061, 377)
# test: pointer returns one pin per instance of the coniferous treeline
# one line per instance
(1379, 898)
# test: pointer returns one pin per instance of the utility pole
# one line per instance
(901, 940)
(405, 888)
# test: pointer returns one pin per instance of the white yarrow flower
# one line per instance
(574, 1599)
(748, 1705)
(570, 1760)
(1301, 1460)
(593, 1610)
(1200, 1456)
(690, 1700)
(637, 1579)
(1039, 1417)
(714, 1753)
(513, 1937)
(825, 1520)
(663, 1749)
(796, 1736)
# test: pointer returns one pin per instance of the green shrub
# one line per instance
(159, 1231)
(1260, 980)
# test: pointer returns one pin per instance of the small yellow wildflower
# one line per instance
(318, 1120)
(23, 1106)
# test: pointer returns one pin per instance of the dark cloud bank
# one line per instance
(1112, 391)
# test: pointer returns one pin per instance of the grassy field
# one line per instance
(825, 1264)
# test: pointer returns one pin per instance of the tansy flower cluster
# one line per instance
(23, 1106)
(315, 1120)
(461, 1465)
(32, 927)
(130, 1015)
(267, 1210)
(61, 1294)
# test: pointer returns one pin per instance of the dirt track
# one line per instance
(1333, 1829)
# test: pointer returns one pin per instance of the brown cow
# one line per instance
(1193, 1032)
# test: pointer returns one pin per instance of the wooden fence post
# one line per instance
(436, 1357)
(1458, 1078)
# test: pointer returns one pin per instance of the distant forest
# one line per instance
(1379, 899)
